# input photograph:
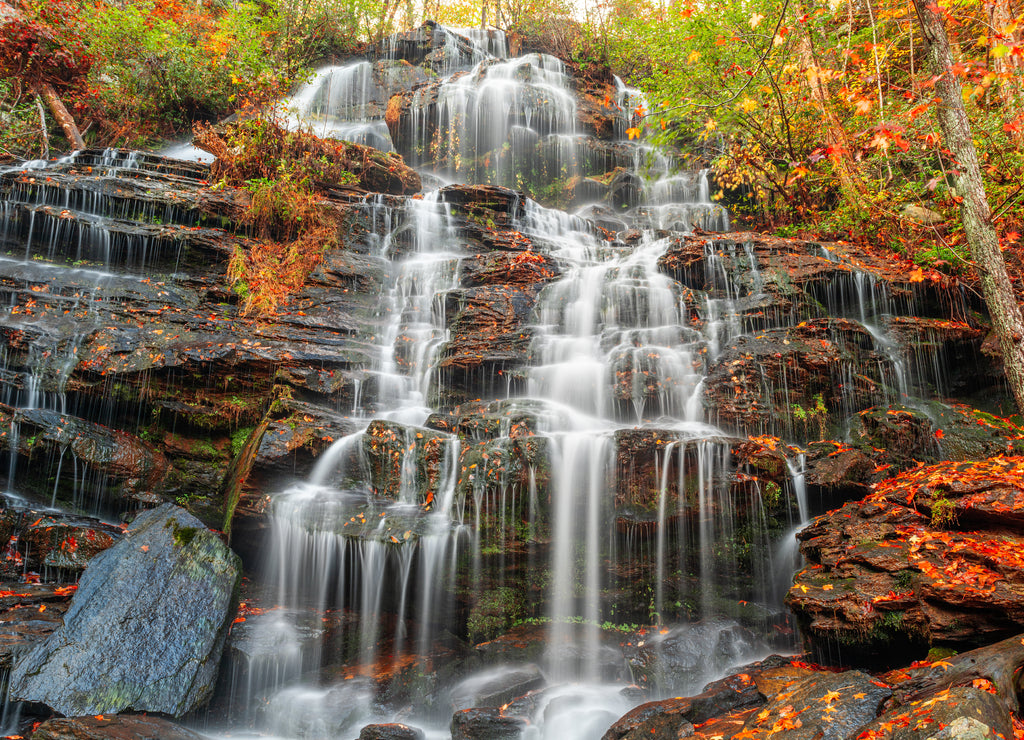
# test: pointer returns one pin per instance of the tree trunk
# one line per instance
(997, 289)
(851, 183)
(1008, 66)
(67, 123)
(42, 129)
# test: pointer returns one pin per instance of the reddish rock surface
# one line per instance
(931, 557)
(112, 727)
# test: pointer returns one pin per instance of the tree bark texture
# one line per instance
(66, 121)
(997, 289)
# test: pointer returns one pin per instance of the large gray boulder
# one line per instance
(146, 627)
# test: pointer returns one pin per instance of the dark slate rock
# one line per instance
(146, 627)
(391, 731)
(488, 723)
(829, 706)
(679, 662)
(29, 613)
(496, 687)
(670, 719)
(113, 727)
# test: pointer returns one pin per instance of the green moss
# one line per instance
(495, 612)
(944, 513)
(904, 579)
(238, 439)
(183, 536)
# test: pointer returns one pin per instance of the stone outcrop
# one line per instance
(146, 627)
(114, 727)
(930, 557)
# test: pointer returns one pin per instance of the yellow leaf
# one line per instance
(693, 57)
(755, 20)
(748, 105)
(633, 133)
(827, 587)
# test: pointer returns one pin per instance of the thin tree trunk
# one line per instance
(66, 121)
(1007, 320)
(42, 129)
(851, 184)
(1008, 66)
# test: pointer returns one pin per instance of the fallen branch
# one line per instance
(999, 663)
(65, 119)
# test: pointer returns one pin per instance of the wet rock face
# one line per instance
(113, 727)
(885, 440)
(486, 724)
(67, 543)
(804, 362)
(58, 546)
(28, 614)
(960, 712)
(831, 706)
(930, 557)
(123, 458)
(797, 377)
(391, 731)
(674, 663)
(669, 719)
(146, 627)
(497, 688)
(781, 697)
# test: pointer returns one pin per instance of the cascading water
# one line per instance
(610, 349)
(535, 510)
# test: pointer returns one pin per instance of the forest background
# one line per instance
(817, 119)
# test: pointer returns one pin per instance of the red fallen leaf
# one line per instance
(939, 434)
(984, 684)
(144, 548)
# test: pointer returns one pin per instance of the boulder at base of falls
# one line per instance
(669, 719)
(682, 657)
(113, 727)
(391, 731)
(486, 723)
(962, 712)
(146, 627)
(829, 706)
(930, 557)
(966, 696)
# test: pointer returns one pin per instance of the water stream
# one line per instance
(579, 496)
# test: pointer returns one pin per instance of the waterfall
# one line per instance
(528, 503)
